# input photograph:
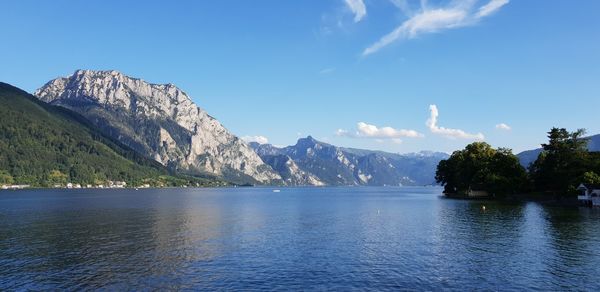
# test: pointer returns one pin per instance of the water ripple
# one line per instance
(300, 239)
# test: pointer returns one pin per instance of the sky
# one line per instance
(393, 75)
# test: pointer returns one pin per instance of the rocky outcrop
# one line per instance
(160, 121)
(326, 164)
(290, 172)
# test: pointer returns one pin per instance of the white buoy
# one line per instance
(483, 208)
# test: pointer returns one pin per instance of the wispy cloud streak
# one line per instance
(431, 20)
(491, 7)
(358, 8)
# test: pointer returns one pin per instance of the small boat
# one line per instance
(277, 191)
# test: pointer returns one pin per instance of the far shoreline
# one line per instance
(212, 187)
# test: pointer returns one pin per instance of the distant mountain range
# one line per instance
(529, 156)
(161, 122)
(136, 129)
(311, 162)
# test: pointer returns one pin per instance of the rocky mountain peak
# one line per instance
(116, 89)
(159, 120)
(309, 142)
(331, 165)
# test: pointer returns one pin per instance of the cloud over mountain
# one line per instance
(364, 130)
(258, 139)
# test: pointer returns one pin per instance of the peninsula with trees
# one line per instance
(480, 171)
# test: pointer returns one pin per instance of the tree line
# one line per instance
(563, 164)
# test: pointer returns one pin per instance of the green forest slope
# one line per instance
(42, 145)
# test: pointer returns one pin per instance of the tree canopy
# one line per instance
(481, 167)
(564, 163)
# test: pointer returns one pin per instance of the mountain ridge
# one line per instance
(332, 165)
(160, 121)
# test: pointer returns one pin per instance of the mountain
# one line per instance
(44, 145)
(290, 172)
(529, 156)
(160, 121)
(311, 162)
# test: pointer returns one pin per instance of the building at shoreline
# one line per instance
(589, 194)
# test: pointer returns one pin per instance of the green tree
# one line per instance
(57, 178)
(5, 178)
(480, 167)
(562, 163)
(507, 176)
(590, 177)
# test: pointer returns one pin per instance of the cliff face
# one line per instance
(159, 121)
(311, 162)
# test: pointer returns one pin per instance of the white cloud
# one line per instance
(425, 22)
(364, 130)
(403, 6)
(451, 133)
(397, 141)
(372, 131)
(503, 126)
(343, 133)
(257, 139)
(490, 8)
(458, 14)
(358, 8)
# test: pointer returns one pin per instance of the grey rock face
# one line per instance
(160, 121)
(290, 172)
(331, 165)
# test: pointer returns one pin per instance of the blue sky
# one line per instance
(284, 69)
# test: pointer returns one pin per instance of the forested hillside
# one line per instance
(43, 145)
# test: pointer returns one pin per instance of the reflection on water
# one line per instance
(301, 238)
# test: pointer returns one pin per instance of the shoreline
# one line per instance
(525, 198)
(203, 187)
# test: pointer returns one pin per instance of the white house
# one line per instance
(477, 194)
(590, 194)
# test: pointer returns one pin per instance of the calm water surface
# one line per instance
(301, 238)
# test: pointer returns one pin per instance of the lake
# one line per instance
(298, 239)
